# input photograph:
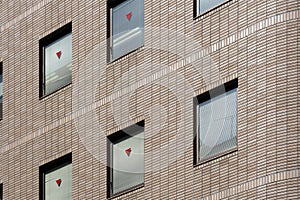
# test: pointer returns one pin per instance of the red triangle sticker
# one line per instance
(58, 182)
(58, 54)
(128, 151)
(128, 16)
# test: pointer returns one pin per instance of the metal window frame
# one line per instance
(222, 89)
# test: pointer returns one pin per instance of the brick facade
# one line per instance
(254, 41)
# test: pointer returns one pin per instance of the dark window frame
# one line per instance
(114, 139)
(1, 191)
(109, 6)
(50, 167)
(195, 8)
(217, 91)
(52, 37)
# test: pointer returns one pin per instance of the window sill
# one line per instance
(216, 157)
(126, 55)
(119, 194)
(55, 91)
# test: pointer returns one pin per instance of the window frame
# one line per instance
(50, 167)
(112, 139)
(215, 92)
(1, 191)
(196, 8)
(109, 6)
(45, 41)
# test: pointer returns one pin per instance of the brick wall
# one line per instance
(254, 41)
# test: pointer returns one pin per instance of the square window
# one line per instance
(56, 179)
(216, 122)
(126, 160)
(56, 60)
(203, 6)
(1, 90)
(126, 27)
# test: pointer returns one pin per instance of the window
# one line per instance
(216, 122)
(1, 90)
(203, 6)
(56, 179)
(126, 27)
(56, 60)
(126, 160)
(1, 191)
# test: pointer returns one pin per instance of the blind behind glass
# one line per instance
(217, 125)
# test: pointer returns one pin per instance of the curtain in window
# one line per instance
(217, 125)
(127, 27)
(58, 64)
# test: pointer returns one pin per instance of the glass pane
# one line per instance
(58, 64)
(217, 127)
(58, 184)
(128, 163)
(206, 5)
(127, 27)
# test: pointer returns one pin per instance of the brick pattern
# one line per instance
(256, 41)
